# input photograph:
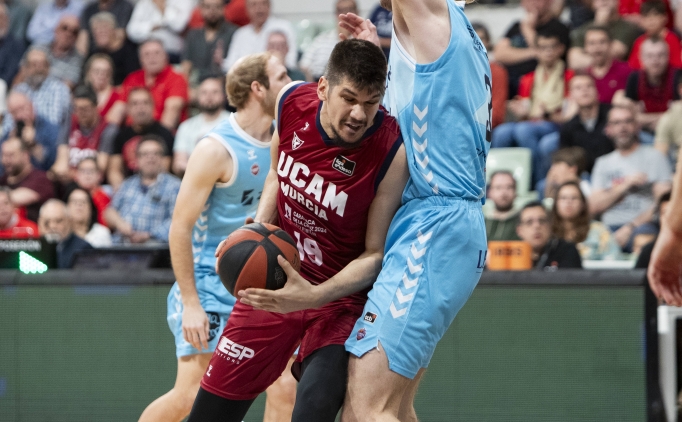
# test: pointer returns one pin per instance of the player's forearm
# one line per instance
(267, 207)
(358, 275)
(180, 242)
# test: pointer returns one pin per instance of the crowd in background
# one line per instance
(102, 104)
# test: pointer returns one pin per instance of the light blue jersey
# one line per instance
(225, 210)
(436, 244)
(444, 110)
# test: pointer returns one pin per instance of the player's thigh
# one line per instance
(406, 412)
(191, 369)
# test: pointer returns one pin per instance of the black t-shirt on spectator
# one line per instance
(518, 41)
(126, 60)
(127, 140)
(121, 9)
(559, 254)
(661, 96)
(595, 143)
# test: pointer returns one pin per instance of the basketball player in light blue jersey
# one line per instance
(220, 190)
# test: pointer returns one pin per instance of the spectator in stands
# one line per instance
(83, 215)
(548, 252)
(12, 226)
(654, 20)
(621, 36)
(89, 177)
(163, 20)
(206, 47)
(501, 223)
(107, 40)
(65, 61)
(55, 225)
(253, 38)
(211, 103)
(123, 161)
(110, 105)
(539, 103)
(46, 18)
(499, 75)
(121, 10)
(568, 164)
(51, 97)
(383, 20)
(90, 136)
(38, 134)
(278, 47)
(571, 222)
(234, 11)
(11, 49)
(627, 181)
(609, 74)
(30, 186)
(517, 50)
(315, 57)
(141, 209)
(652, 88)
(647, 232)
(19, 16)
(168, 88)
(668, 135)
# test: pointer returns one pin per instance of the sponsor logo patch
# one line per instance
(213, 325)
(296, 142)
(344, 165)
(370, 317)
(234, 352)
(361, 334)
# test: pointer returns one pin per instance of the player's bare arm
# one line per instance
(209, 163)
(359, 274)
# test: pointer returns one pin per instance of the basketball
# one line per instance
(248, 258)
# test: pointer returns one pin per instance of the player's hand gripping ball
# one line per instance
(248, 258)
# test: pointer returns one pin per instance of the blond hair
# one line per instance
(239, 79)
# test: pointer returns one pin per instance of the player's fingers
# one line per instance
(249, 220)
(203, 339)
(288, 269)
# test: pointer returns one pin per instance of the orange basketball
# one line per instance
(248, 258)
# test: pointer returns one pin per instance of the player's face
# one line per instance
(534, 227)
(502, 192)
(278, 78)
(347, 112)
(569, 203)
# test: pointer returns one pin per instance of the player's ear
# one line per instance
(258, 89)
(323, 89)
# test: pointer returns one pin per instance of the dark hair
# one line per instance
(581, 223)
(86, 92)
(359, 61)
(532, 204)
(154, 138)
(652, 6)
(664, 198)
(599, 28)
(93, 208)
(503, 172)
(573, 156)
(478, 26)
(550, 33)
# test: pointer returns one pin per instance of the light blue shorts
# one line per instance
(435, 254)
(216, 301)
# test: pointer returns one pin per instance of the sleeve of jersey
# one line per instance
(283, 99)
(388, 160)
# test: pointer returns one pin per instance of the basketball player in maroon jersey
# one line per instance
(338, 172)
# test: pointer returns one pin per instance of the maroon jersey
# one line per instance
(84, 146)
(325, 191)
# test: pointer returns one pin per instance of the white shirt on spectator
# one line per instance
(192, 130)
(99, 236)
(147, 21)
(247, 41)
(316, 56)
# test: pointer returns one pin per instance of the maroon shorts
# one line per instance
(255, 346)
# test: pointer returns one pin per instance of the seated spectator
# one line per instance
(123, 159)
(163, 20)
(234, 11)
(548, 252)
(90, 136)
(98, 72)
(571, 222)
(647, 232)
(621, 35)
(627, 181)
(211, 103)
(141, 209)
(206, 47)
(11, 48)
(500, 79)
(106, 40)
(253, 38)
(315, 57)
(668, 135)
(568, 164)
(383, 20)
(654, 21)
(55, 225)
(30, 186)
(278, 47)
(38, 134)
(19, 16)
(65, 61)
(501, 224)
(609, 74)
(630, 10)
(46, 18)
(539, 104)
(50, 96)
(89, 177)
(121, 10)
(652, 88)
(168, 88)
(517, 50)
(12, 226)
(83, 215)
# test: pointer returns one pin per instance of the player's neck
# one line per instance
(254, 122)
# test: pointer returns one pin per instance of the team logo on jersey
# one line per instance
(252, 154)
(296, 142)
(255, 169)
(307, 125)
(213, 325)
(344, 165)
(361, 334)
(370, 317)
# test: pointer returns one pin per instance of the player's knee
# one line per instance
(284, 389)
(184, 399)
(319, 399)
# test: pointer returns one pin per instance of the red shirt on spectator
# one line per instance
(656, 99)
(115, 96)
(500, 93)
(615, 78)
(19, 228)
(101, 200)
(235, 12)
(526, 83)
(167, 84)
(631, 7)
(674, 46)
